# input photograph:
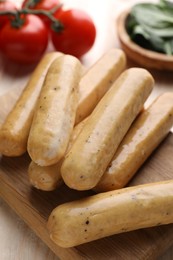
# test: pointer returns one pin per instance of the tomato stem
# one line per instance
(17, 21)
(31, 3)
(14, 17)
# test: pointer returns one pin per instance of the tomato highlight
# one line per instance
(6, 6)
(27, 43)
(46, 5)
(78, 34)
(25, 33)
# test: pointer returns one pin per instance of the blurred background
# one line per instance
(18, 242)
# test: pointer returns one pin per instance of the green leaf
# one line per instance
(166, 4)
(157, 43)
(151, 26)
(130, 23)
(159, 32)
(168, 46)
(151, 15)
(139, 30)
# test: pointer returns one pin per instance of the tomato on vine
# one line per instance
(77, 35)
(46, 5)
(6, 6)
(24, 40)
(24, 37)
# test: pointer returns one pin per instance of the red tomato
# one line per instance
(27, 43)
(78, 35)
(5, 6)
(43, 5)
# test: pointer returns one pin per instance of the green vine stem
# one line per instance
(31, 3)
(17, 19)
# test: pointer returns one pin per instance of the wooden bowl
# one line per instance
(144, 57)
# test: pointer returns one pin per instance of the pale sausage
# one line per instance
(97, 80)
(147, 132)
(15, 130)
(112, 212)
(49, 177)
(54, 117)
(95, 146)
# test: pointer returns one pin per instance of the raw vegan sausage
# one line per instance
(45, 178)
(95, 146)
(49, 177)
(15, 130)
(54, 117)
(97, 80)
(146, 133)
(93, 85)
(111, 212)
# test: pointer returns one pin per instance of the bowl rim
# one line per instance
(126, 41)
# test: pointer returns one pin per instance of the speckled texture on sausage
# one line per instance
(97, 80)
(146, 133)
(109, 122)
(112, 212)
(49, 177)
(15, 130)
(54, 118)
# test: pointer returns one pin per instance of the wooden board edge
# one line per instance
(23, 209)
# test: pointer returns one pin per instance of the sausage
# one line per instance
(49, 178)
(97, 80)
(55, 114)
(147, 132)
(91, 89)
(15, 130)
(104, 130)
(111, 212)
(45, 178)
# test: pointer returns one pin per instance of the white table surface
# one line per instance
(18, 242)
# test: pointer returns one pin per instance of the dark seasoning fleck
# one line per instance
(56, 88)
(85, 230)
(87, 140)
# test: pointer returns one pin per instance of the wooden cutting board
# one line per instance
(34, 206)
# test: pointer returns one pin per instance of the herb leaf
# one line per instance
(151, 26)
